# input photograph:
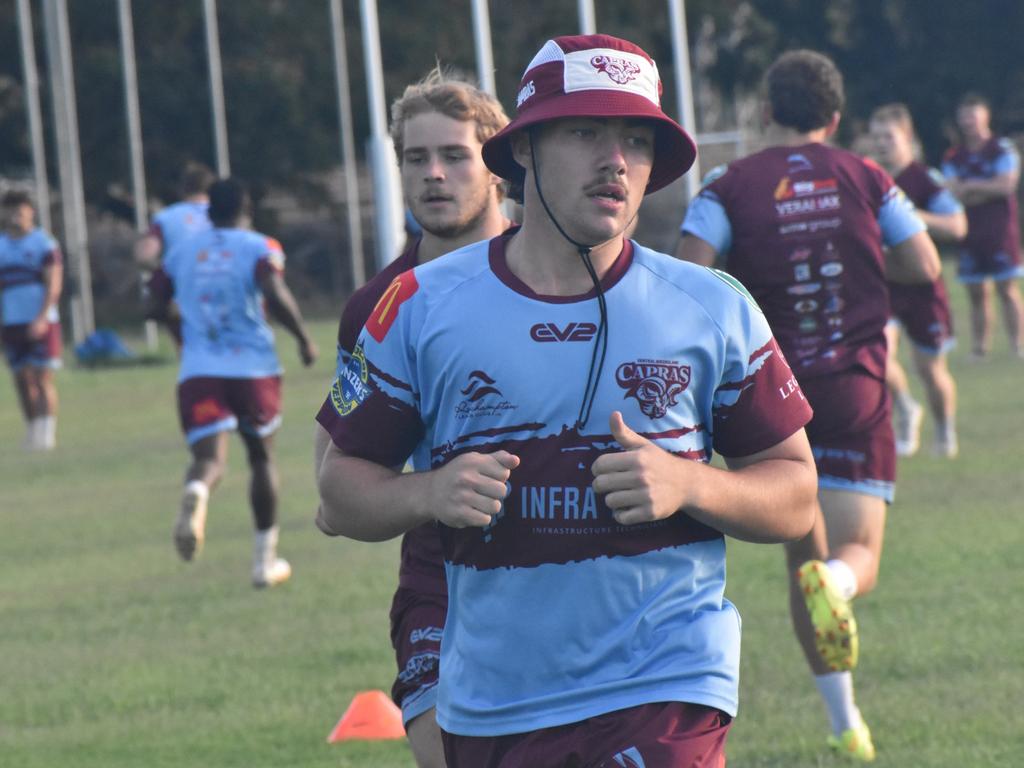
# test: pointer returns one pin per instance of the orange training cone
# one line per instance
(371, 715)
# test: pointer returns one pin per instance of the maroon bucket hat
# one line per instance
(593, 76)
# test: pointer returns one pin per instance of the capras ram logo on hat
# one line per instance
(619, 70)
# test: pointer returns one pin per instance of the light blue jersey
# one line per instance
(180, 221)
(215, 280)
(556, 612)
(22, 263)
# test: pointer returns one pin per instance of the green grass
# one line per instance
(113, 653)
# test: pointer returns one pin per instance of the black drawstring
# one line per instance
(601, 339)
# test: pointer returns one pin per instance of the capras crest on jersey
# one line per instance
(656, 384)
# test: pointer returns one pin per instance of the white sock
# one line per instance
(836, 689)
(47, 434)
(844, 578)
(265, 546)
(198, 487)
(947, 432)
(905, 401)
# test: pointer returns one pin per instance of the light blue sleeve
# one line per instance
(1008, 160)
(897, 218)
(949, 171)
(706, 218)
(944, 203)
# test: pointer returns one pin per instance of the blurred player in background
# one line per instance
(585, 561)
(983, 172)
(921, 310)
(438, 127)
(177, 221)
(31, 278)
(803, 225)
(230, 377)
(173, 224)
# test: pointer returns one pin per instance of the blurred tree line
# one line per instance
(279, 77)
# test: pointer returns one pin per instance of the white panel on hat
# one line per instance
(550, 52)
(611, 70)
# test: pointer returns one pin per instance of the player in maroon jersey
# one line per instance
(803, 226)
(922, 310)
(438, 126)
(983, 171)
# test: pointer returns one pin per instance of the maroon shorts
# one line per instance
(664, 735)
(923, 311)
(23, 352)
(417, 622)
(851, 433)
(211, 404)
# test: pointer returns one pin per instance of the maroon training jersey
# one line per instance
(422, 567)
(806, 230)
(991, 226)
(922, 189)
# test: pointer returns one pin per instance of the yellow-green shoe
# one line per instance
(854, 743)
(835, 629)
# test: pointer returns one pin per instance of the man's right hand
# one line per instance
(468, 491)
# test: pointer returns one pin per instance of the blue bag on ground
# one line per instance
(103, 345)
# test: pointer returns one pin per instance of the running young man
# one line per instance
(922, 310)
(31, 277)
(803, 225)
(585, 560)
(178, 221)
(438, 126)
(230, 377)
(983, 172)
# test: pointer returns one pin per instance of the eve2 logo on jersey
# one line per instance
(545, 332)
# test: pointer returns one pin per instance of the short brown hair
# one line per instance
(16, 198)
(804, 89)
(897, 113)
(452, 96)
(973, 99)
(196, 179)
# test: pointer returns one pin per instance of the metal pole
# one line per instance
(588, 20)
(131, 103)
(386, 186)
(220, 129)
(35, 114)
(684, 86)
(348, 145)
(58, 45)
(482, 40)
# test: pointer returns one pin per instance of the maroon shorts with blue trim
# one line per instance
(417, 622)
(23, 352)
(663, 735)
(851, 433)
(923, 311)
(211, 404)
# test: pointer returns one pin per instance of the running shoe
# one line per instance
(835, 628)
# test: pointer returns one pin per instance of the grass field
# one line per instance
(113, 653)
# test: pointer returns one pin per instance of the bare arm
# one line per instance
(694, 249)
(766, 497)
(976, 191)
(53, 280)
(947, 227)
(285, 309)
(147, 251)
(914, 260)
(369, 502)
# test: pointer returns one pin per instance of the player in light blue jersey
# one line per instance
(560, 391)
(177, 221)
(230, 377)
(31, 277)
(172, 225)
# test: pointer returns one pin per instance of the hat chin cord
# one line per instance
(601, 339)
